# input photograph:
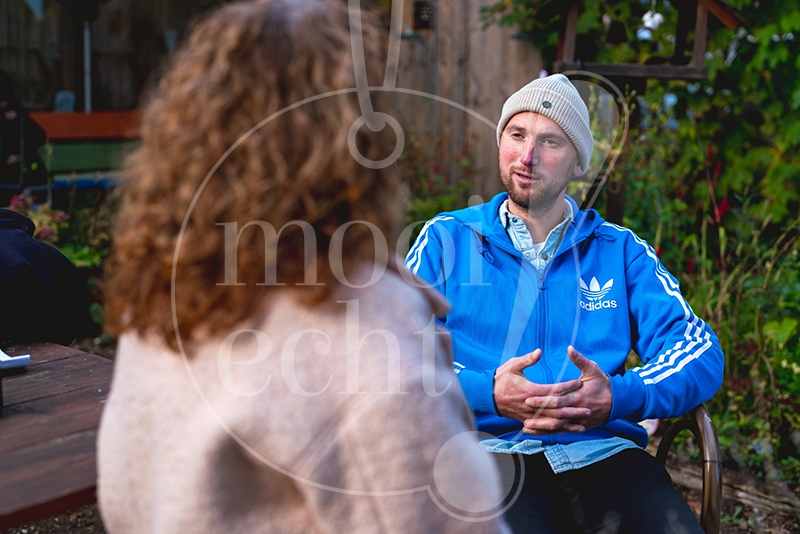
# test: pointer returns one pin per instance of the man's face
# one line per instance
(537, 160)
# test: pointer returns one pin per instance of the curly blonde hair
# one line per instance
(242, 64)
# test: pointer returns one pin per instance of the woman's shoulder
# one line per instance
(392, 286)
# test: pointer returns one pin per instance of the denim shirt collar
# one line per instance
(521, 238)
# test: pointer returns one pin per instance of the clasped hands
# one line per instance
(572, 406)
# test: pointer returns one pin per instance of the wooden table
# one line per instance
(48, 430)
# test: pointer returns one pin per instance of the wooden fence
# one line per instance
(30, 49)
(467, 71)
(44, 51)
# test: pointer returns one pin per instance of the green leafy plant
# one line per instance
(87, 240)
(432, 192)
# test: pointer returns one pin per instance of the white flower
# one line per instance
(652, 20)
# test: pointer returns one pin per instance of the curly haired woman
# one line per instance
(273, 374)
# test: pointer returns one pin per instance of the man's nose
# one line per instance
(529, 156)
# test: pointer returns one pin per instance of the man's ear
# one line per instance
(577, 171)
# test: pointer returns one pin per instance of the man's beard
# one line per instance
(541, 197)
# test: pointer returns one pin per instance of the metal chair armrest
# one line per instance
(700, 424)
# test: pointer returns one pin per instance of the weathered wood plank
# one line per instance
(700, 35)
(731, 20)
(570, 34)
(57, 378)
(37, 479)
(446, 38)
(42, 352)
(452, 45)
(683, 72)
(48, 418)
(491, 82)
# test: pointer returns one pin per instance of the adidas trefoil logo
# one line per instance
(594, 294)
(594, 291)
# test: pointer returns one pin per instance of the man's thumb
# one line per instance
(577, 358)
(523, 362)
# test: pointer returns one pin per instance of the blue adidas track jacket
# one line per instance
(605, 292)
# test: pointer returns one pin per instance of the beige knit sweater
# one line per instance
(279, 431)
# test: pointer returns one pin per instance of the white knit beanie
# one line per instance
(557, 99)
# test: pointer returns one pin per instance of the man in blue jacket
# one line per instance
(548, 302)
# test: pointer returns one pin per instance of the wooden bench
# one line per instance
(48, 430)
